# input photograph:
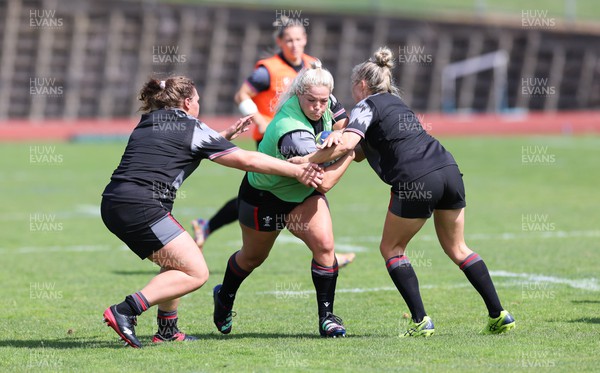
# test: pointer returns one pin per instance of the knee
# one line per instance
(198, 279)
(457, 253)
(387, 251)
(250, 262)
(323, 245)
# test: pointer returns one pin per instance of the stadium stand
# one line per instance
(93, 56)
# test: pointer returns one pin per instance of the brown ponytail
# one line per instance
(157, 94)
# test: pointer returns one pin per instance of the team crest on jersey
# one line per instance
(267, 220)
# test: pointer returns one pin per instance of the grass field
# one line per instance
(532, 215)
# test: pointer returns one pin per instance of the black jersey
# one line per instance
(394, 141)
(163, 150)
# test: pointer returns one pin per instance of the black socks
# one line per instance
(234, 276)
(477, 273)
(133, 305)
(405, 279)
(324, 279)
(226, 215)
(167, 323)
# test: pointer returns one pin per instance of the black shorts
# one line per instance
(442, 189)
(144, 228)
(262, 210)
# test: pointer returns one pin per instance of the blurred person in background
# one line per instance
(258, 97)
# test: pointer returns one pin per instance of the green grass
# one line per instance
(57, 278)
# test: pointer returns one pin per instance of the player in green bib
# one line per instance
(268, 204)
(290, 118)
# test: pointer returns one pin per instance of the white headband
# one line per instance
(162, 84)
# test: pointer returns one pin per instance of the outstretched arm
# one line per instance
(308, 174)
(334, 173)
(332, 150)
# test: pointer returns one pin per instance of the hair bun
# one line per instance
(383, 57)
(317, 64)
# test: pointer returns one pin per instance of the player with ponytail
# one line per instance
(165, 147)
(425, 180)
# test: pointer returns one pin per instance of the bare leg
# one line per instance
(185, 270)
(450, 226)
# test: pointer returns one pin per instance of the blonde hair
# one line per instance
(377, 72)
(158, 94)
(313, 76)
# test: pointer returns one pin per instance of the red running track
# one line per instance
(537, 123)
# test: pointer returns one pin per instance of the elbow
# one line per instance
(325, 186)
(325, 189)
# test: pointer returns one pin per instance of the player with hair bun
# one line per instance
(425, 181)
(268, 204)
(165, 147)
(259, 95)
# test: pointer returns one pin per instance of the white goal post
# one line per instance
(498, 61)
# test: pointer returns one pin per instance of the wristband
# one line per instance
(248, 107)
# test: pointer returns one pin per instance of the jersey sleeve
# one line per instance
(260, 79)
(208, 143)
(339, 113)
(361, 117)
(297, 143)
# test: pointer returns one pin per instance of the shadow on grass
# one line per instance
(152, 272)
(60, 343)
(116, 343)
(587, 320)
(236, 336)
(586, 301)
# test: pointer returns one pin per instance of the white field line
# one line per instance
(491, 236)
(342, 244)
(79, 212)
(359, 290)
(58, 249)
(583, 283)
(590, 284)
(347, 244)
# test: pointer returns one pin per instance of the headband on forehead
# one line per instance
(162, 84)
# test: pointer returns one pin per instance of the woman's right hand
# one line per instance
(333, 139)
(239, 127)
(310, 174)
